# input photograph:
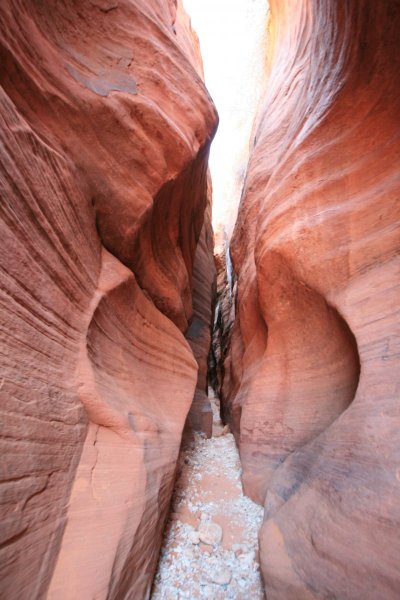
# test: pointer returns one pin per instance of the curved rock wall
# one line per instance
(105, 128)
(224, 308)
(312, 378)
(200, 330)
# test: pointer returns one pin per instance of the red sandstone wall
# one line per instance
(199, 332)
(105, 128)
(312, 378)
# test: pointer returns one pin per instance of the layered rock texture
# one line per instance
(200, 416)
(105, 130)
(224, 316)
(312, 377)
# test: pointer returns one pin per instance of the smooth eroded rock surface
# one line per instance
(312, 376)
(199, 333)
(105, 128)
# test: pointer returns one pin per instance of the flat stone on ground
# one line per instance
(210, 533)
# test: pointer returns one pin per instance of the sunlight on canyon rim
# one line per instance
(233, 36)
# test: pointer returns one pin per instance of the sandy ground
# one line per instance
(208, 491)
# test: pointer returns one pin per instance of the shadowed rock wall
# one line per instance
(200, 330)
(312, 377)
(105, 129)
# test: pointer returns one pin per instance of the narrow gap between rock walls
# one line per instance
(210, 546)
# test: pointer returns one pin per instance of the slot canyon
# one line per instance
(200, 353)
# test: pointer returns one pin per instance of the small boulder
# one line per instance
(210, 533)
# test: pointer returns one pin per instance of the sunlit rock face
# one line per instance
(312, 378)
(233, 37)
(105, 130)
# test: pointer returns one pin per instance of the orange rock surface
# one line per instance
(105, 130)
(312, 377)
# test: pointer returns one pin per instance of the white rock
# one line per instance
(247, 557)
(222, 577)
(238, 548)
(194, 537)
(207, 592)
(210, 533)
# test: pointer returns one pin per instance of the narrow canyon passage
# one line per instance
(210, 547)
(131, 243)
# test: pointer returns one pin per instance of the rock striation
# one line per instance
(224, 317)
(105, 130)
(200, 416)
(312, 376)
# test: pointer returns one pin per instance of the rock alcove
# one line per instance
(110, 292)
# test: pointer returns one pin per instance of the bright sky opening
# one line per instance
(232, 36)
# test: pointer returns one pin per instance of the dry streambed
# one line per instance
(210, 548)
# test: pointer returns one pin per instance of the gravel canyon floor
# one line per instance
(210, 547)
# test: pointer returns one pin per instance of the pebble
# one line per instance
(210, 533)
(239, 547)
(194, 537)
(191, 568)
(247, 557)
(208, 591)
(222, 577)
